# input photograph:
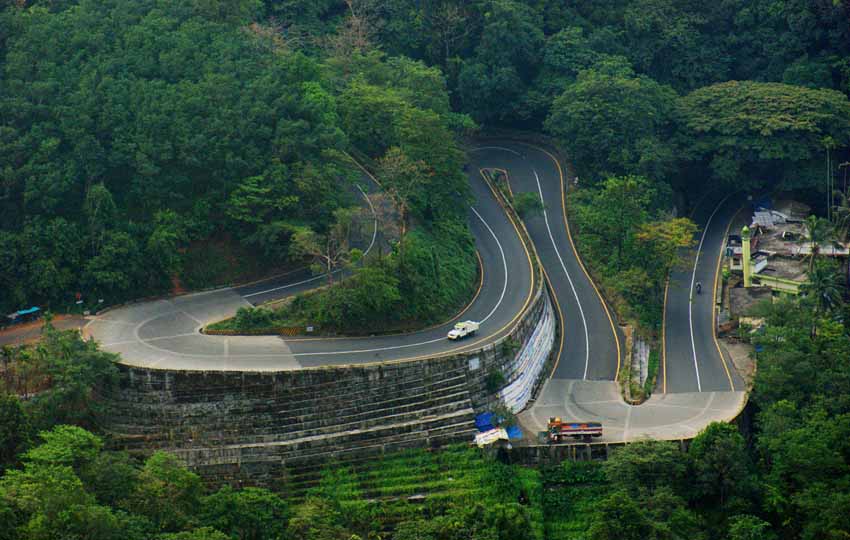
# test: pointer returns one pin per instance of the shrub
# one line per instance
(494, 381)
(527, 204)
(248, 318)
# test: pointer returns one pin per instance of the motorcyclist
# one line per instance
(699, 287)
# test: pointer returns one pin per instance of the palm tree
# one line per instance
(818, 232)
(823, 287)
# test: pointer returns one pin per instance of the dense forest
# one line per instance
(148, 142)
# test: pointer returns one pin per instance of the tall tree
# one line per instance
(612, 121)
(330, 250)
(755, 134)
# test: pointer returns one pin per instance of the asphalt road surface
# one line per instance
(692, 360)
(165, 333)
(582, 386)
(591, 348)
(696, 387)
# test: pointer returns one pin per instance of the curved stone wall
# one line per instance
(250, 428)
(254, 428)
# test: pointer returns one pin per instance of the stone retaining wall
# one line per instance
(257, 428)
(252, 428)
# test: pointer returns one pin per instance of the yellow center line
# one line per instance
(548, 281)
(503, 328)
(581, 264)
(714, 299)
(664, 336)
(561, 318)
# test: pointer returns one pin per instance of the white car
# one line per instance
(463, 329)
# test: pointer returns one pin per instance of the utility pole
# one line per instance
(844, 166)
(828, 187)
(745, 256)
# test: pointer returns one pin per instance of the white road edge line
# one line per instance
(314, 278)
(496, 307)
(569, 279)
(691, 292)
(334, 353)
(504, 265)
(492, 311)
(514, 152)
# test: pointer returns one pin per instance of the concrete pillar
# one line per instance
(745, 256)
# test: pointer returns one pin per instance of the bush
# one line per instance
(433, 270)
(494, 381)
(527, 204)
(249, 318)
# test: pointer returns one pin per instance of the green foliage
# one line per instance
(614, 122)
(494, 381)
(462, 493)
(492, 82)
(823, 288)
(14, 430)
(803, 422)
(433, 271)
(148, 154)
(653, 365)
(503, 416)
(112, 477)
(646, 465)
(316, 519)
(626, 237)
(509, 346)
(527, 204)
(59, 375)
(250, 318)
(109, 177)
(762, 134)
(247, 514)
(167, 493)
(202, 533)
(748, 527)
(621, 517)
(71, 446)
(721, 465)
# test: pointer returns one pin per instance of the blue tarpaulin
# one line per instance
(484, 422)
(763, 202)
(28, 311)
(514, 433)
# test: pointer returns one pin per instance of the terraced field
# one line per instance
(570, 493)
(419, 484)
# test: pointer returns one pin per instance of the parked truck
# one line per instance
(463, 329)
(559, 430)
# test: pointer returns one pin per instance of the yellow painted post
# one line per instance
(745, 256)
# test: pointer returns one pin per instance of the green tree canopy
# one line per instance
(612, 121)
(763, 134)
(247, 514)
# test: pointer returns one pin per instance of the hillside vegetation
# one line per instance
(786, 479)
(149, 142)
(143, 142)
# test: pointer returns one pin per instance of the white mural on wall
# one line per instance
(529, 362)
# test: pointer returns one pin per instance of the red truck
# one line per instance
(560, 430)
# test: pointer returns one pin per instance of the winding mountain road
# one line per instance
(165, 333)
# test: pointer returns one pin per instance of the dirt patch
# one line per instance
(22, 334)
(742, 360)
